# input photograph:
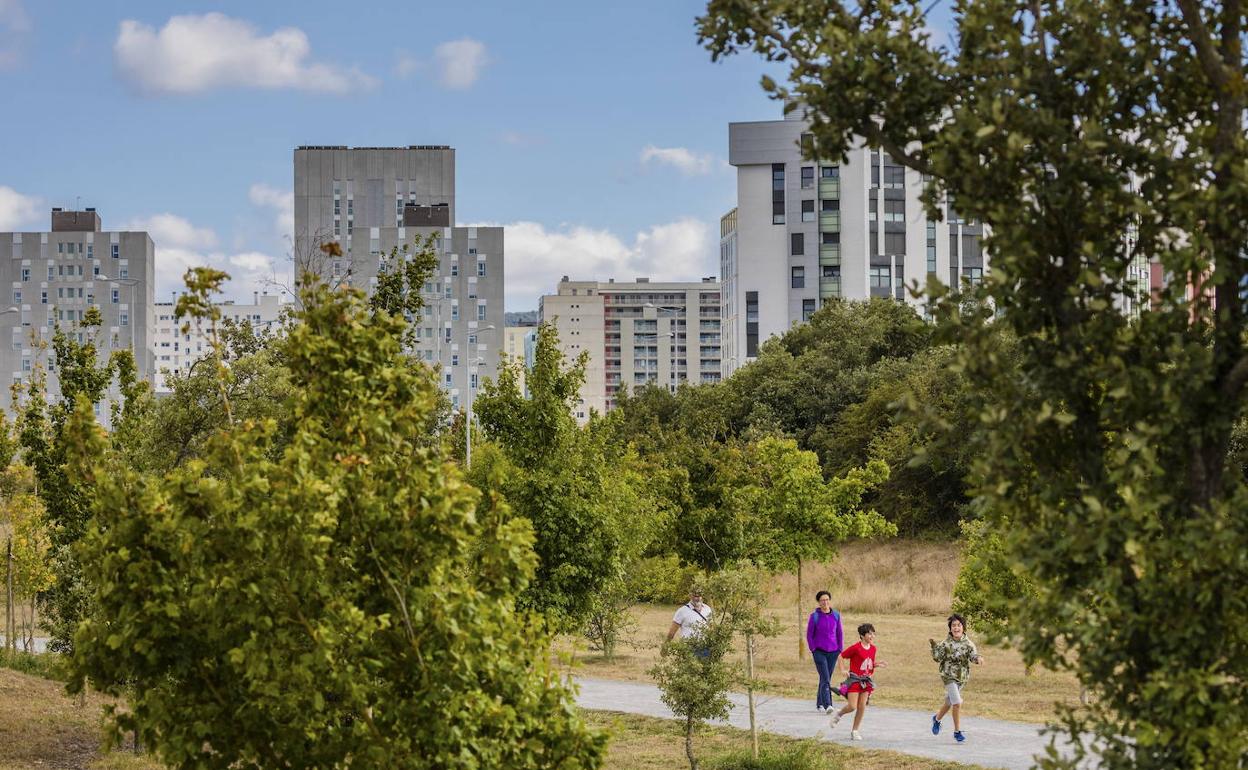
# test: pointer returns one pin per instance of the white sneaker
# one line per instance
(836, 717)
(821, 709)
(854, 735)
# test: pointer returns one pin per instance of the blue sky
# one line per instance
(596, 132)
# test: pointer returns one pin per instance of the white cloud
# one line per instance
(14, 24)
(686, 161)
(460, 62)
(180, 245)
(538, 257)
(282, 202)
(18, 211)
(406, 65)
(199, 53)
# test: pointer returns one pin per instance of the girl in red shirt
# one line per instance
(859, 686)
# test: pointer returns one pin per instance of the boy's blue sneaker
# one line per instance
(935, 726)
(958, 736)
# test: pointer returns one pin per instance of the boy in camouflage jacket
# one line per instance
(955, 656)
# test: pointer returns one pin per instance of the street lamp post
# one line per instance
(470, 363)
(674, 312)
(129, 283)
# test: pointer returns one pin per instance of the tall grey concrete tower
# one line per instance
(372, 199)
(56, 276)
(805, 231)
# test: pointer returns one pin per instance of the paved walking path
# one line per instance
(989, 742)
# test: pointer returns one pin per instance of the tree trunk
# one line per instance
(10, 626)
(749, 692)
(693, 763)
(800, 631)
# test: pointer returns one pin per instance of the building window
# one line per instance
(454, 359)
(894, 177)
(125, 319)
(894, 211)
(808, 177)
(797, 278)
(90, 250)
(481, 269)
(480, 312)
(43, 297)
(125, 272)
(25, 273)
(116, 296)
(17, 296)
(808, 309)
(777, 193)
(881, 277)
(751, 324)
(808, 211)
(116, 251)
(472, 380)
(454, 312)
(455, 268)
(50, 272)
(974, 275)
(872, 207)
(931, 247)
(830, 172)
(797, 244)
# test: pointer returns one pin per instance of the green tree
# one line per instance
(349, 603)
(561, 478)
(1089, 137)
(84, 375)
(796, 516)
(695, 674)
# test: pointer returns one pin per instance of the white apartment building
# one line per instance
(806, 231)
(176, 351)
(54, 276)
(372, 199)
(518, 342)
(635, 334)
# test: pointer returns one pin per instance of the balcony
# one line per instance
(829, 288)
(829, 221)
(829, 188)
(830, 254)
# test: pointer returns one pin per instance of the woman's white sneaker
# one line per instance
(854, 735)
(836, 717)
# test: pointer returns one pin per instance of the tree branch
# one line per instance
(875, 135)
(1235, 380)
(1202, 40)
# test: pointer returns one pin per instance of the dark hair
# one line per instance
(959, 618)
(822, 594)
(865, 628)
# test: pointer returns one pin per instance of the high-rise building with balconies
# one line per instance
(806, 231)
(663, 334)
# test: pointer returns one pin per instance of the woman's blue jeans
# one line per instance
(825, 663)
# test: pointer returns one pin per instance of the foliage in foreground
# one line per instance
(350, 602)
(1089, 138)
(84, 381)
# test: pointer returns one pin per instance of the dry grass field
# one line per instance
(644, 743)
(905, 590)
(42, 727)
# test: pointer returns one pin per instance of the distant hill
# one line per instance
(524, 318)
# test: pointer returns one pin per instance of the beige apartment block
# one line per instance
(636, 334)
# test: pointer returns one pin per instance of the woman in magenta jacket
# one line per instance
(825, 640)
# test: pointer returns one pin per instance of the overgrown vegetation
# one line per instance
(1089, 138)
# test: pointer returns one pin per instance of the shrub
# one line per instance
(802, 756)
(663, 580)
